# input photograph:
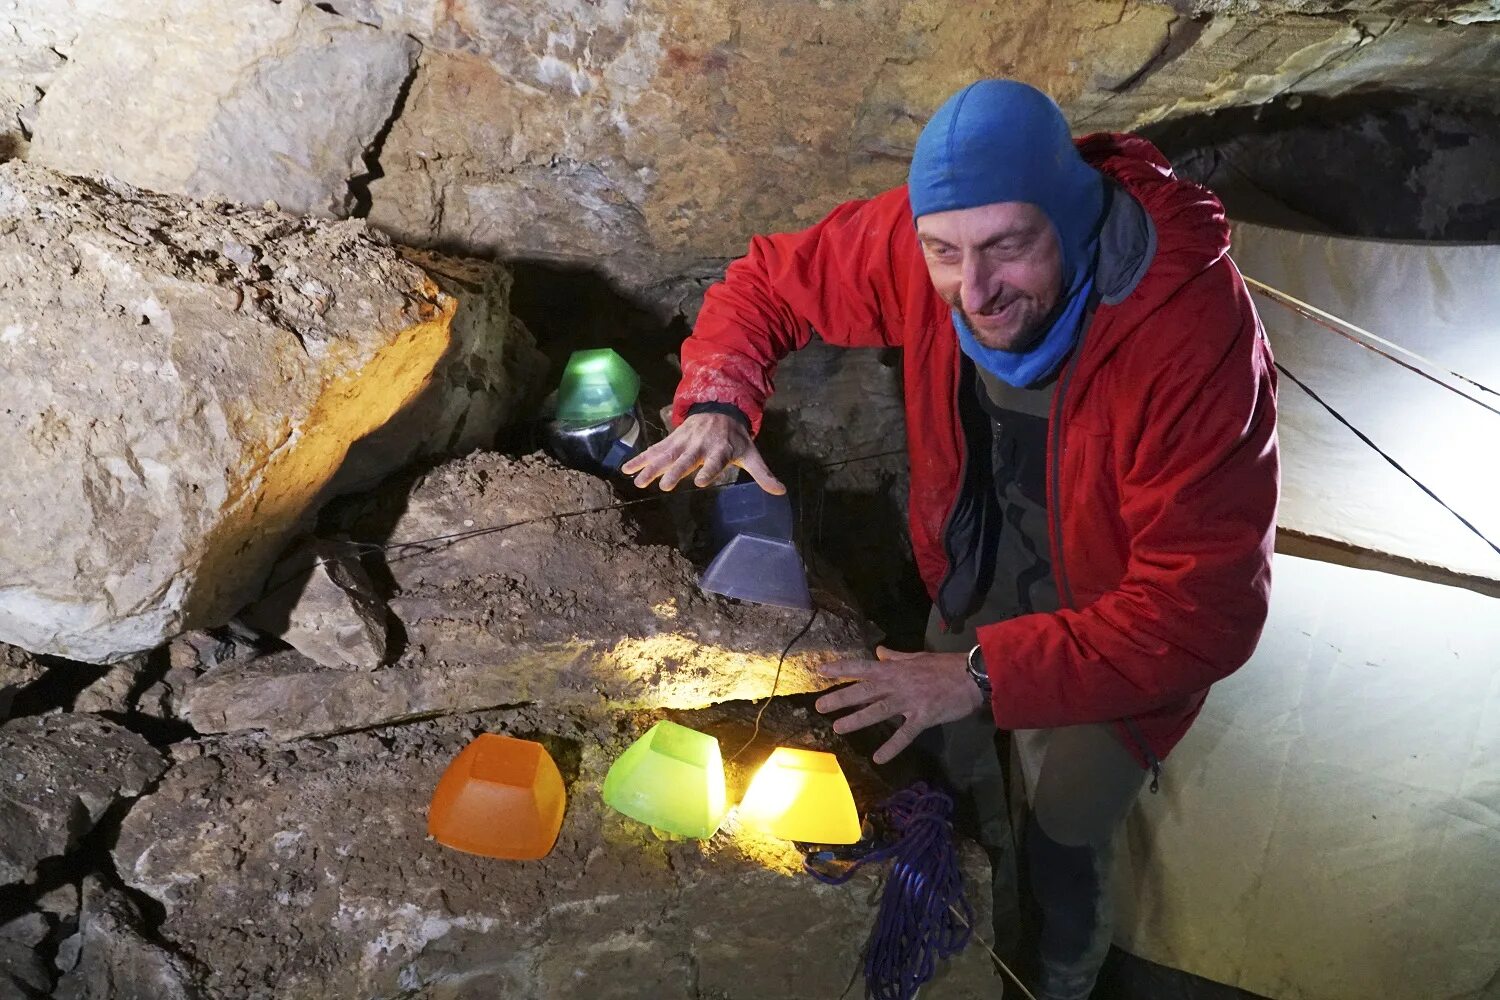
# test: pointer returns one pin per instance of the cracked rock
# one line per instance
(18, 668)
(268, 102)
(110, 958)
(321, 602)
(58, 775)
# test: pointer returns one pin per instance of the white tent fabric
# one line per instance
(1329, 829)
(1441, 301)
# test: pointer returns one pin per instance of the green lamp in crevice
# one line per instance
(595, 422)
(671, 779)
(596, 386)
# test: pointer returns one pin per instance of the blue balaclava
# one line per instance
(1001, 140)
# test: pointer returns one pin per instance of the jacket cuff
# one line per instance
(728, 409)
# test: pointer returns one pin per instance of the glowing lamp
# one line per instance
(672, 779)
(802, 795)
(596, 386)
(500, 797)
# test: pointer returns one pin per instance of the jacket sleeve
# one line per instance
(1198, 492)
(834, 279)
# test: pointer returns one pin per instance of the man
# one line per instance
(1090, 407)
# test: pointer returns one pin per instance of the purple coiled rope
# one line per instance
(916, 924)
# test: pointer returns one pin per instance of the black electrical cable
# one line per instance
(775, 683)
(1381, 452)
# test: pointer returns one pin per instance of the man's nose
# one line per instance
(974, 291)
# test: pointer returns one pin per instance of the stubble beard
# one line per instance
(1017, 342)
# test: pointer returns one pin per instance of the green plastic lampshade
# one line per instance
(672, 779)
(596, 386)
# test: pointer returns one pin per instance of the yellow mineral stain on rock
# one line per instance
(275, 488)
(678, 671)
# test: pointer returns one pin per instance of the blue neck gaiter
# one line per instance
(1000, 141)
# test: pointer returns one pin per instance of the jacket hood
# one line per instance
(1191, 228)
(1192, 231)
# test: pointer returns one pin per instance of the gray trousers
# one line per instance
(1080, 782)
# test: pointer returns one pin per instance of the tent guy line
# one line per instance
(1364, 338)
(1379, 451)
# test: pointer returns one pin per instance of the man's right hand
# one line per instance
(707, 442)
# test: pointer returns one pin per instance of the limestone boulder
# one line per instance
(246, 101)
(319, 849)
(115, 690)
(524, 582)
(58, 775)
(184, 380)
(34, 47)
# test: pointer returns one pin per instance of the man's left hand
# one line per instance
(924, 688)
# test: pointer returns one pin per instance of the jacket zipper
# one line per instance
(1054, 517)
(963, 477)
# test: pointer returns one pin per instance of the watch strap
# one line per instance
(977, 673)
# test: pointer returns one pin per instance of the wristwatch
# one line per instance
(977, 673)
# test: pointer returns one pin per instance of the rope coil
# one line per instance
(924, 915)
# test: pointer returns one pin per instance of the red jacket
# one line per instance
(1162, 468)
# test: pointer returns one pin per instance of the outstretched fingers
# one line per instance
(902, 738)
(752, 463)
(878, 711)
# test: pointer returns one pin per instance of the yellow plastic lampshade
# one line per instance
(802, 795)
(671, 779)
(501, 797)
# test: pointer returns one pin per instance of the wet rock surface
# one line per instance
(319, 850)
(58, 776)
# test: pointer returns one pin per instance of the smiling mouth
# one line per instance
(992, 318)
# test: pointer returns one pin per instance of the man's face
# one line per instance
(1000, 265)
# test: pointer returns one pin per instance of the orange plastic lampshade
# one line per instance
(501, 797)
(802, 795)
